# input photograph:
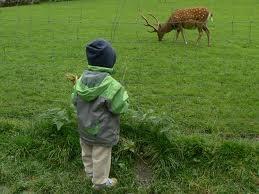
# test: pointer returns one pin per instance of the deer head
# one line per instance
(158, 28)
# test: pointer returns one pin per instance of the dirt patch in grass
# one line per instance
(143, 173)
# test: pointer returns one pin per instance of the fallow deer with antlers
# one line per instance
(190, 18)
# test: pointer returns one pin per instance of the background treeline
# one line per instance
(6, 3)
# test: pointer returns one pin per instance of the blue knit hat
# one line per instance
(100, 53)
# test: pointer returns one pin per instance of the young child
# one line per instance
(99, 100)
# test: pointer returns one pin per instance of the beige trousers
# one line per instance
(97, 162)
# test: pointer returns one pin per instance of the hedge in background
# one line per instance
(7, 3)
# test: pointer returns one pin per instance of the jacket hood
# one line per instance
(93, 84)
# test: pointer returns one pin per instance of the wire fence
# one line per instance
(11, 41)
(249, 31)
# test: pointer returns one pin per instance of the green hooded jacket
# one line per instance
(99, 100)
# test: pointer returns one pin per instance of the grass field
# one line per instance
(206, 99)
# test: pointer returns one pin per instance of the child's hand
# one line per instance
(72, 77)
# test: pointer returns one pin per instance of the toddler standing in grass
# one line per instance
(99, 100)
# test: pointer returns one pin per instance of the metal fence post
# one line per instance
(250, 32)
(232, 25)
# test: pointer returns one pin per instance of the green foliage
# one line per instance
(57, 116)
(127, 145)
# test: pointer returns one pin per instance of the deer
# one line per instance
(189, 18)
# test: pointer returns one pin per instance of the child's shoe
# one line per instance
(111, 182)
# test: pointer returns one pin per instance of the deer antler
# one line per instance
(150, 25)
(154, 18)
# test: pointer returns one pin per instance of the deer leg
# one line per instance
(177, 34)
(200, 34)
(208, 33)
(183, 36)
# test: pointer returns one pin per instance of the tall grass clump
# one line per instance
(57, 129)
(188, 162)
(170, 153)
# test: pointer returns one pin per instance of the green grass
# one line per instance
(208, 96)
